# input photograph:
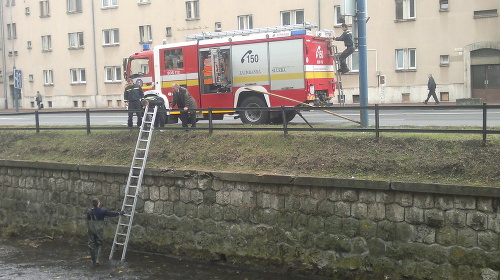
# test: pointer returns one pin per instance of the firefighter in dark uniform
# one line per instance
(95, 229)
(132, 96)
(349, 47)
(153, 100)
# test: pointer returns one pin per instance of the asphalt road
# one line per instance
(428, 116)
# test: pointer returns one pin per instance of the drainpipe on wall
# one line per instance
(319, 14)
(95, 57)
(4, 57)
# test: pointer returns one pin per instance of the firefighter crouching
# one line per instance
(153, 100)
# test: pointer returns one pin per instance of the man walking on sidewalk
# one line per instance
(431, 85)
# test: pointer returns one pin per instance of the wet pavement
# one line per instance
(58, 259)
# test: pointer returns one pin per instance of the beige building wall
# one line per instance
(454, 32)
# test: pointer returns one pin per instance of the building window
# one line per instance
(218, 26)
(12, 53)
(29, 45)
(168, 32)
(406, 59)
(44, 8)
(10, 3)
(443, 5)
(47, 43)
(192, 10)
(109, 3)
(11, 31)
(143, 2)
(145, 34)
(78, 76)
(110, 37)
(486, 13)
(339, 18)
(405, 9)
(444, 60)
(245, 22)
(74, 6)
(31, 79)
(48, 78)
(292, 17)
(75, 40)
(113, 74)
(27, 11)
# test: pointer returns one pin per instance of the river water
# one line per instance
(60, 259)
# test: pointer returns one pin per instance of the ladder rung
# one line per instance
(122, 234)
(129, 195)
(122, 224)
(121, 244)
(128, 205)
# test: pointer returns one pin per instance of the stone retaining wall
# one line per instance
(351, 229)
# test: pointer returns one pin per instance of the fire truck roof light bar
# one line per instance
(280, 28)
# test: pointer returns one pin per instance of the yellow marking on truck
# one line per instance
(320, 75)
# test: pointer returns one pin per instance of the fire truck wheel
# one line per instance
(289, 115)
(254, 117)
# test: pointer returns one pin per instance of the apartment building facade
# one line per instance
(71, 51)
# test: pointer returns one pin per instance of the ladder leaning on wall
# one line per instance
(134, 182)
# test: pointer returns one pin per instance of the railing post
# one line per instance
(285, 124)
(210, 121)
(37, 121)
(484, 123)
(87, 114)
(377, 122)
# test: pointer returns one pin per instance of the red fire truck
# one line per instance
(233, 69)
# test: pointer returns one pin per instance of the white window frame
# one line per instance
(406, 59)
(112, 74)
(444, 60)
(110, 37)
(143, 2)
(192, 10)
(168, 31)
(48, 78)
(46, 43)
(145, 34)
(444, 5)
(406, 9)
(74, 6)
(76, 40)
(339, 18)
(78, 76)
(245, 22)
(292, 16)
(106, 4)
(11, 31)
(353, 62)
(44, 8)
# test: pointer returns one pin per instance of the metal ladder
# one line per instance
(134, 182)
(338, 76)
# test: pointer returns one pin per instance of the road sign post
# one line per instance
(18, 84)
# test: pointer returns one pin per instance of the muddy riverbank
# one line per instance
(45, 258)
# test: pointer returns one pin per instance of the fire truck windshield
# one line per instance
(138, 67)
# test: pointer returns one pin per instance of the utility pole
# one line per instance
(363, 65)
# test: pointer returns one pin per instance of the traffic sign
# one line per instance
(18, 79)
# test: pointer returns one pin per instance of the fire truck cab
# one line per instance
(225, 71)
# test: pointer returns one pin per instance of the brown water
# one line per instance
(59, 259)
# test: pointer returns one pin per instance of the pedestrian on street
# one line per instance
(132, 96)
(38, 100)
(431, 86)
(349, 47)
(95, 229)
(184, 101)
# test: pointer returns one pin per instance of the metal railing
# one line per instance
(484, 130)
